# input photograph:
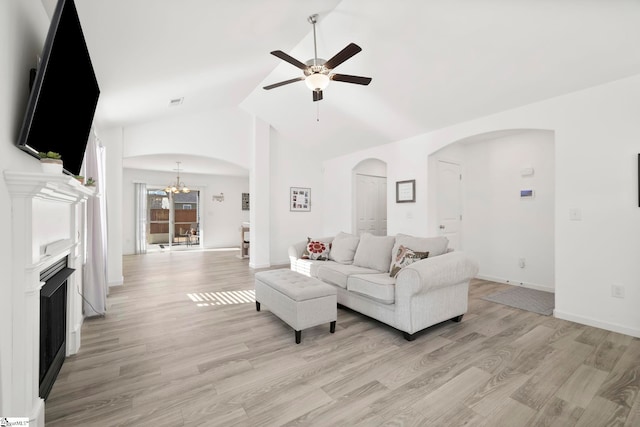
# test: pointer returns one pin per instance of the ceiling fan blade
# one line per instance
(290, 59)
(359, 80)
(343, 55)
(317, 95)
(286, 82)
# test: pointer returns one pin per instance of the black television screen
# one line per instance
(64, 95)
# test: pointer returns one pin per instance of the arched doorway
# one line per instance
(508, 203)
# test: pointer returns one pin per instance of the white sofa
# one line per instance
(422, 294)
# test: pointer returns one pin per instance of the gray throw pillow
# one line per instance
(343, 248)
(374, 252)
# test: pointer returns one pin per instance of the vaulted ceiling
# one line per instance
(433, 62)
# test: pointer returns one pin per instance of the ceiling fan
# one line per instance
(317, 71)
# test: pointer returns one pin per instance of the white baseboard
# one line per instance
(37, 413)
(117, 282)
(285, 263)
(74, 340)
(252, 265)
(614, 327)
(516, 283)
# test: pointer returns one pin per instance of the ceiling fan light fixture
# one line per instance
(317, 81)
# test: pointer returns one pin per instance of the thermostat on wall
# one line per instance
(526, 194)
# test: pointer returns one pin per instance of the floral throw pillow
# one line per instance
(403, 257)
(316, 250)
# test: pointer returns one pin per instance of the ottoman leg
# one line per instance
(257, 306)
(332, 327)
(298, 336)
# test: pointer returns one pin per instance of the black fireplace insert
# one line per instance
(53, 323)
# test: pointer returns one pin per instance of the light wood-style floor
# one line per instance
(160, 358)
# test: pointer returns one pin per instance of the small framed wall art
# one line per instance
(245, 201)
(406, 191)
(299, 199)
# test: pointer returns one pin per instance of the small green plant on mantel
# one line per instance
(90, 182)
(79, 178)
(51, 162)
(50, 155)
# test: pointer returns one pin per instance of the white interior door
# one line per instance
(371, 205)
(449, 202)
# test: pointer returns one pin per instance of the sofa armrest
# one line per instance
(432, 273)
(296, 250)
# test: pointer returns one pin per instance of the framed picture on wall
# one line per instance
(406, 191)
(299, 199)
(245, 201)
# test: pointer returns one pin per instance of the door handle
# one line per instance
(442, 227)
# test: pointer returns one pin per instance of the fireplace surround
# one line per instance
(48, 224)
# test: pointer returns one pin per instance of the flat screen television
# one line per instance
(64, 94)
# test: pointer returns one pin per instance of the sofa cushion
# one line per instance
(379, 287)
(337, 274)
(403, 257)
(343, 248)
(374, 252)
(316, 249)
(434, 245)
(308, 267)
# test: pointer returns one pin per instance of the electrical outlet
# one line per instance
(617, 291)
(521, 262)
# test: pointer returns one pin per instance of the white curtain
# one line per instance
(95, 271)
(141, 218)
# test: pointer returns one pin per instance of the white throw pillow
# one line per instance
(343, 248)
(316, 249)
(374, 252)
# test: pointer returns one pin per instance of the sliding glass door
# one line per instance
(174, 219)
(186, 218)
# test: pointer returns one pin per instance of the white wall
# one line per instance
(292, 166)
(219, 134)
(596, 146)
(499, 227)
(260, 197)
(405, 160)
(373, 167)
(220, 221)
(23, 28)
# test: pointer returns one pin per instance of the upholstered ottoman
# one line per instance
(300, 301)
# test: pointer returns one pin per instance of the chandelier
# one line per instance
(178, 186)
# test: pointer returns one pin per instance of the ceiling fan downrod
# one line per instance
(313, 19)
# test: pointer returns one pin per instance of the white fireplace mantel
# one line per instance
(55, 187)
(48, 222)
